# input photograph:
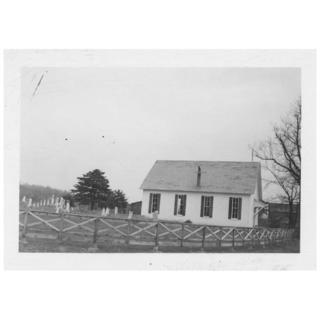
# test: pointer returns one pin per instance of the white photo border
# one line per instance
(14, 60)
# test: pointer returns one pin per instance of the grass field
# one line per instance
(52, 245)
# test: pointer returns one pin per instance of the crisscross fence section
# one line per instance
(155, 233)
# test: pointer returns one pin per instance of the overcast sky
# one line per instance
(144, 114)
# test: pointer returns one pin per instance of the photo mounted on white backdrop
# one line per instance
(157, 157)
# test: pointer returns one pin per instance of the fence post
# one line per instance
(219, 240)
(252, 238)
(203, 238)
(182, 232)
(258, 242)
(61, 227)
(128, 232)
(156, 238)
(25, 225)
(264, 242)
(95, 231)
(94, 247)
(233, 238)
(273, 238)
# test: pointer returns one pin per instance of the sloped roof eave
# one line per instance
(197, 191)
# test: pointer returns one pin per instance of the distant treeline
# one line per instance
(38, 193)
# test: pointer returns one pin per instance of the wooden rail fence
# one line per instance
(98, 229)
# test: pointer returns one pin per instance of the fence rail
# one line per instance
(141, 231)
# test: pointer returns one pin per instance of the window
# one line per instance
(154, 202)
(235, 205)
(206, 206)
(180, 204)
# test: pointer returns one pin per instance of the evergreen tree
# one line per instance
(92, 189)
(118, 199)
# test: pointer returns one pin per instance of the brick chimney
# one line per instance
(199, 176)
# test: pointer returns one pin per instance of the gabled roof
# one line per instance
(216, 177)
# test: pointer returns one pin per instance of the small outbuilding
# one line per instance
(135, 207)
(204, 192)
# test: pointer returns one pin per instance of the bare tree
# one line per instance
(282, 158)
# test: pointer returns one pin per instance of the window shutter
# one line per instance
(202, 203)
(159, 197)
(230, 208)
(150, 202)
(184, 199)
(240, 207)
(211, 207)
(175, 204)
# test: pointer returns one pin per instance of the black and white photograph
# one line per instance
(159, 159)
(165, 160)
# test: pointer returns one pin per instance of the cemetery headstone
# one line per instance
(68, 207)
(155, 215)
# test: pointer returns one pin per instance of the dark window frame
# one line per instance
(206, 206)
(154, 202)
(181, 211)
(235, 208)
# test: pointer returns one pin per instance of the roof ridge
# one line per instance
(210, 161)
